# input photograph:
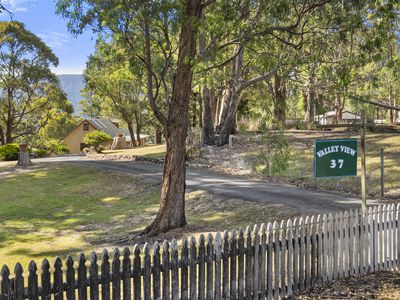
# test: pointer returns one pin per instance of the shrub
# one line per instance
(40, 153)
(273, 160)
(56, 147)
(96, 138)
(9, 152)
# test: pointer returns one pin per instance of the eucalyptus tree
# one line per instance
(117, 91)
(161, 38)
(30, 94)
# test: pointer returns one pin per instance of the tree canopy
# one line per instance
(30, 94)
(267, 60)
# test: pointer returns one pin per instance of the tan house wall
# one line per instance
(74, 139)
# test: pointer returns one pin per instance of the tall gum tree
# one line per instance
(29, 92)
(161, 39)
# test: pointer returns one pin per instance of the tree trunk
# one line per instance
(2, 137)
(172, 203)
(311, 97)
(339, 106)
(391, 111)
(158, 138)
(138, 120)
(228, 125)
(208, 134)
(280, 101)
(131, 133)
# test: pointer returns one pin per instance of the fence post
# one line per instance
(232, 273)
(126, 274)
(46, 285)
(290, 257)
(157, 269)
(241, 251)
(174, 270)
(19, 282)
(217, 279)
(137, 266)
(116, 275)
(33, 288)
(5, 283)
(58, 285)
(184, 270)
(94, 277)
(210, 264)
(105, 276)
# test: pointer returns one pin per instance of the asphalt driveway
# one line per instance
(310, 201)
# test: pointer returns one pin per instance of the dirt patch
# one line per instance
(208, 213)
(379, 285)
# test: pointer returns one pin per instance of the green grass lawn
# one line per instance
(60, 209)
(56, 209)
(156, 151)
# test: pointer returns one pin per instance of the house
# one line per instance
(329, 118)
(74, 140)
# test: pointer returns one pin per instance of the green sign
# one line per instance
(335, 158)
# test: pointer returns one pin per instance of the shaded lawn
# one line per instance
(57, 209)
(156, 151)
(301, 167)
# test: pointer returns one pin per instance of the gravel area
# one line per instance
(378, 285)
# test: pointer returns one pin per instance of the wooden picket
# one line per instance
(270, 261)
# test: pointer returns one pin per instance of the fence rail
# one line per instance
(268, 262)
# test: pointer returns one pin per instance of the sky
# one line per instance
(40, 18)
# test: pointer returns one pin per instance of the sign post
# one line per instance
(335, 158)
(363, 164)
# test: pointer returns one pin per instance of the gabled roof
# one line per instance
(333, 113)
(107, 126)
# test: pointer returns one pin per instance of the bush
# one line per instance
(96, 138)
(9, 152)
(56, 147)
(40, 153)
(273, 160)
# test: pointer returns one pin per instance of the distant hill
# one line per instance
(72, 85)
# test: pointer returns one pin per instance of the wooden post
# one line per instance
(382, 174)
(230, 150)
(363, 163)
(23, 156)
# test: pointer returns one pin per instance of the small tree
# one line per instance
(96, 138)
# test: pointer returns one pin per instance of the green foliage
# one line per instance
(54, 146)
(274, 158)
(9, 152)
(40, 153)
(96, 138)
(30, 94)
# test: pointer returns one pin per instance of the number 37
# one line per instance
(335, 164)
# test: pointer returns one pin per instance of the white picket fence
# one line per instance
(272, 261)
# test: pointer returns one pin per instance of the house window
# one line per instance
(85, 127)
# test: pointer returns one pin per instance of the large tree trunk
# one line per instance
(172, 203)
(228, 124)
(208, 134)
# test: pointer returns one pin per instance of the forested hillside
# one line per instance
(72, 84)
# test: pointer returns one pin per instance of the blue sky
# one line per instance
(40, 18)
